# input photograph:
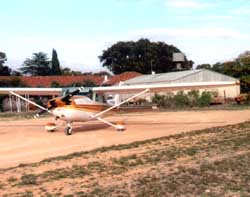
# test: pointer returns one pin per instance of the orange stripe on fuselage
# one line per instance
(89, 108)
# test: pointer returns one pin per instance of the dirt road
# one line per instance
(26, 141)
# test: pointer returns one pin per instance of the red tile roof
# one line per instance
(122, 77)
(45, 81)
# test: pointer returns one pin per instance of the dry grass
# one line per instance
(210, 162)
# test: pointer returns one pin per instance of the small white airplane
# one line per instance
(74, 108)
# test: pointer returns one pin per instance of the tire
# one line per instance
(68, 131)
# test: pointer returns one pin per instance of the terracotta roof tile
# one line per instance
(45, 81)
(122, 77)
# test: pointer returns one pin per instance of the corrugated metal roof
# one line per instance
(174, 76)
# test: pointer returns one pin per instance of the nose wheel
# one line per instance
(68, 129)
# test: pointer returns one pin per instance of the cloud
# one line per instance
(188, 4)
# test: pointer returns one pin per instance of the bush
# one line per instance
(248, 98)
(193, 98)
(181, 99)
(165, 101)
(204, 99)
(28, 179)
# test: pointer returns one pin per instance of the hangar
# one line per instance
(191, 76)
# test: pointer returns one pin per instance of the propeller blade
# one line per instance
(68, 96)
(40, 113)
(43, 111)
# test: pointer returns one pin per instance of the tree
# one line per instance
(38, 65)
(102, 73)
(244, 58)
(142, 56)
(66, 71)
(55, 84)
(239, 68)
(55, 65)
(204, 66)
(4, 70)
(16, 73)
(3, 58)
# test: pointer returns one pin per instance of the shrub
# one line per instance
(247, 100)
(164, 101)
(181, 99)
(193, 97)
(28, 179)
(16, 82)
(204, 99)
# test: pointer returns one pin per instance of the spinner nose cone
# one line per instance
(52, 103)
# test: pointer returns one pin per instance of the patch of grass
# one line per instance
(1, 185)
(12, 179)
(96, 166)
(75, 171)
(28, 179)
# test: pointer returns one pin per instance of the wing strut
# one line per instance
(117, 105)
(29, 101)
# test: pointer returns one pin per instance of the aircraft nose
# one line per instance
(52, 104)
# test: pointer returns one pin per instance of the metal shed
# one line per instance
(191, 76)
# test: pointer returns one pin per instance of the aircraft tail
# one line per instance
(117, 99)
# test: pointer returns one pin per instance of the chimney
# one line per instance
(105, 78)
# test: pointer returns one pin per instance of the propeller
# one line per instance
(53, 103)
(68, 96)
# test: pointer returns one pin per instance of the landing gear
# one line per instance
(68, 129)
(50, 127)
(120, 127)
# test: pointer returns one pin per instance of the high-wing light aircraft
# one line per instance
(73, 108)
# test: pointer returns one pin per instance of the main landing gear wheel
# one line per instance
(120, 127)
(68, 131)
(50, 127)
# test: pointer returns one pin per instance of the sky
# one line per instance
(207, 31)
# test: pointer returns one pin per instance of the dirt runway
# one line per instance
(26, 141)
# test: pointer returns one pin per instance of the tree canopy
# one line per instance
(238, 68)
(204, 66)
(4, 70)
(38, 64)
(141, 56)
(55, 65)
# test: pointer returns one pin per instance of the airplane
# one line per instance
(75, 108)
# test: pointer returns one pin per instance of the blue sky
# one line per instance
(206, 31)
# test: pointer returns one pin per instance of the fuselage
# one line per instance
(81, 108)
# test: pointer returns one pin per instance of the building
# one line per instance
(68, 81)
(191, 76)
(116, 79)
